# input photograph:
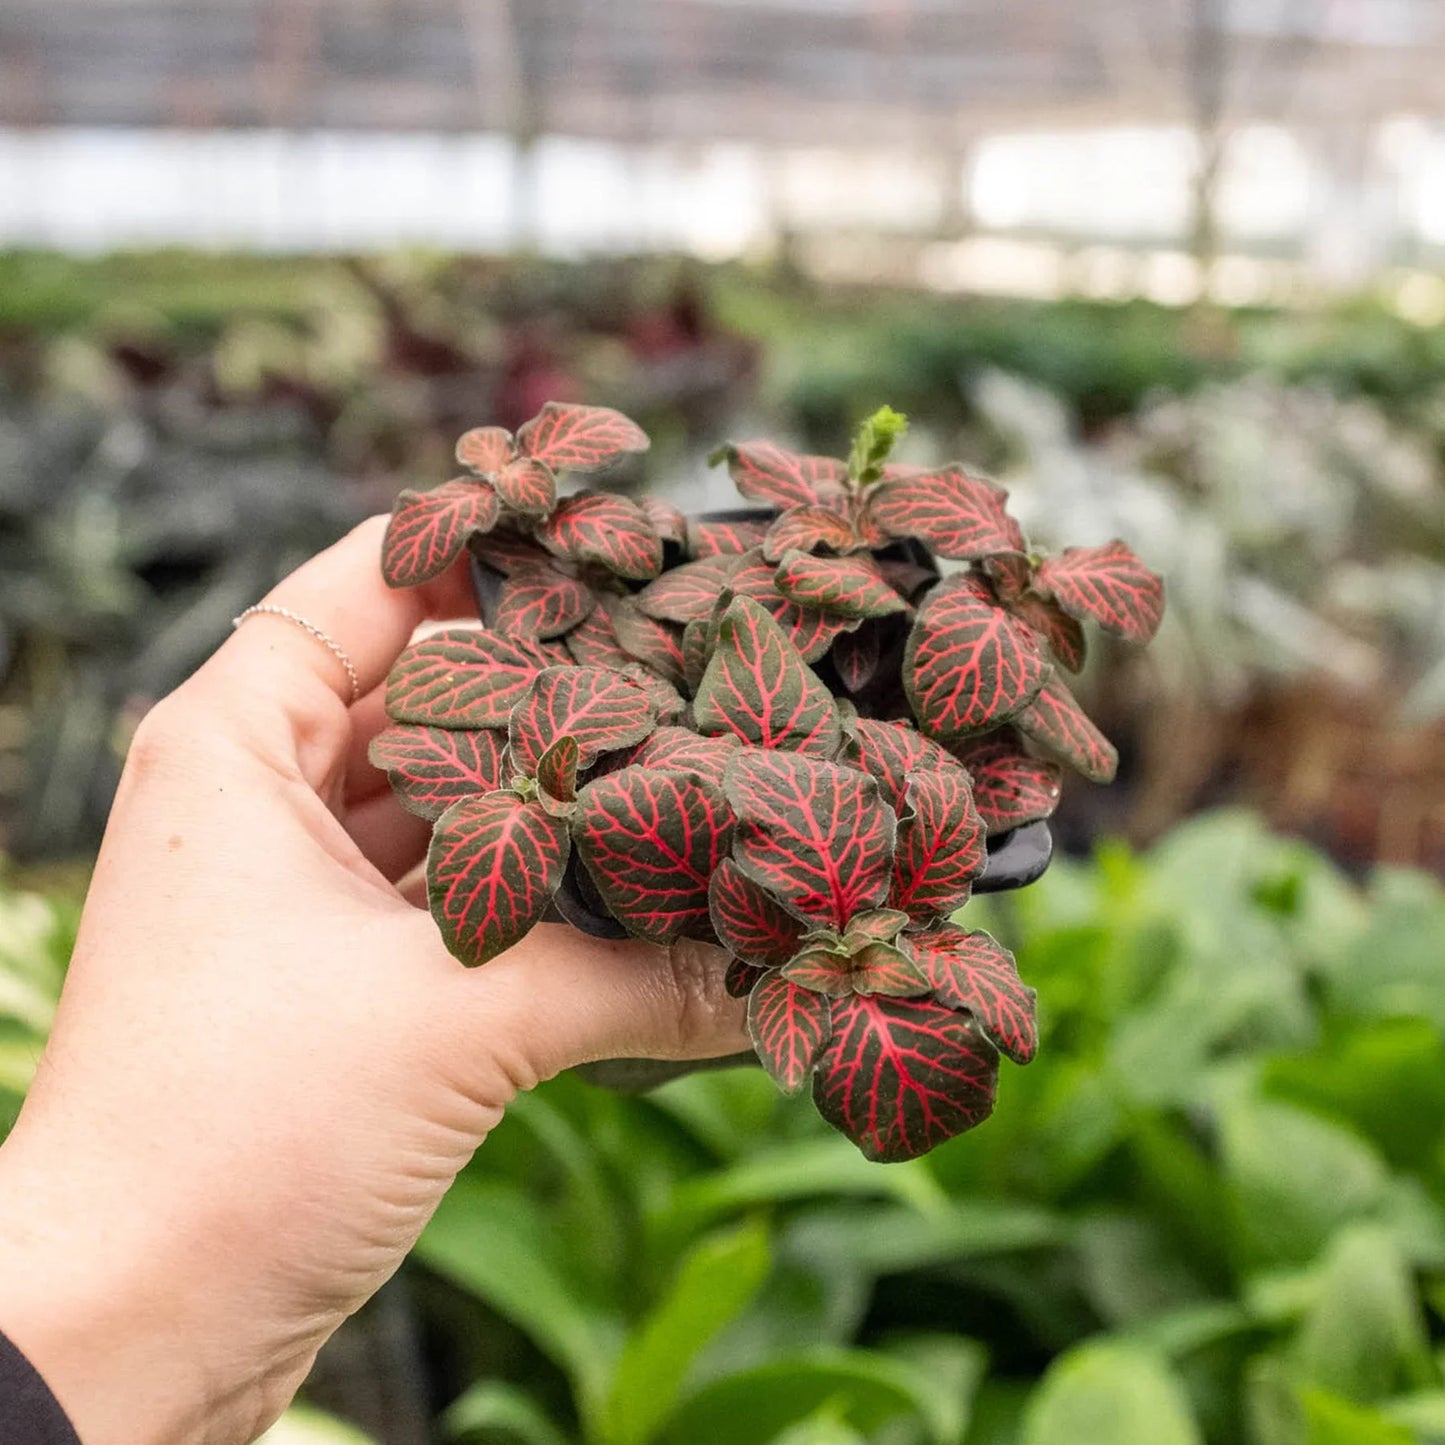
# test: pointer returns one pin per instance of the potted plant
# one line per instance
(782, 732)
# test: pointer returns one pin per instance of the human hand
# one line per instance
(266, 1069)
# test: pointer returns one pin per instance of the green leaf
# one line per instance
(1281, 1411)
(499, 1413)
(953, 1370)
(866, 1389)
(809, 1169)
(1131, 1271)
(889, 1238)
(1109, 1394)
(873, 444)
(1364, 1336)
(1386, 1078)
(824, 1428)
(713, 1285)
(1423, 1412)
(1393, 968)
(301, 1425)
(491, 1240)
(1292, 1179)
(1330, 1420)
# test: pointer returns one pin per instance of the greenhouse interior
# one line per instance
(1164, 271)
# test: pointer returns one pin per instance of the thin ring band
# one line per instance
(333, 647)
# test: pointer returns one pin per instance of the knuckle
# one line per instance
(162, 739)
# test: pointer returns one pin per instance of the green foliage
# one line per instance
(873, 444)
(1211, 1213)
(1108, 1394)
(36, 935)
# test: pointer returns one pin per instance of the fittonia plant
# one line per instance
(785, 735)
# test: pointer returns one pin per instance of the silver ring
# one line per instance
(332, 646)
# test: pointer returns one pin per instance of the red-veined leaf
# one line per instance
(652, 840)
(485, 449)
(821, 970)
(848, 718)
(1109, 584)
(667, 521)
(941, 845)
(657, 644)
(870, 535)
(757, 687)
(748, 920)
(1010, 788)
(493, 866)
(542, 602)
(889, 751)
(810, 630)
(527, 485)
(1061, 634)
(972, 971)
(880, 925)
(1056, 722)
(460, 677)
(599, 708)
(816, 835)
(557, 775)
(607, 529)
(548, 652)
(874, 967)
(506, 551)
(687, 593)
(960, 517)
(683, 751)
(696, 646)
(428, 530)
(742, 977)
(723, 539)
(901, 1075)
(430, 768)
(886, 968)
(593, 643)
(1010, 573)
(968, 666)
(571, 438)
(789, 1027)
(804, 528)
(764, 472)
(855, 655)
(667, 702)
(851, 586)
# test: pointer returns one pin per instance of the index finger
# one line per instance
(274, 662)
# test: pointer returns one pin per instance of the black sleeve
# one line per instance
(29, 1413)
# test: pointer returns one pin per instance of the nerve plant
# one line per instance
(785, 734)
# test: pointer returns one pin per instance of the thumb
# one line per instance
(560, 998)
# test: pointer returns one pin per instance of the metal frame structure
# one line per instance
(931, 73)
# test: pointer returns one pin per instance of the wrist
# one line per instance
(102, 1305)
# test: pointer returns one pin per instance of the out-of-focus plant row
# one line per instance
(1211, 1213)
(176, 430)
(835, 348)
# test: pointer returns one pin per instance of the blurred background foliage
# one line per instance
(1211, 1213)
(176, 430)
